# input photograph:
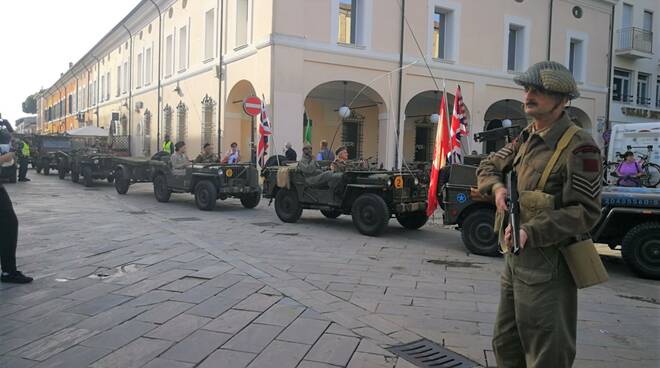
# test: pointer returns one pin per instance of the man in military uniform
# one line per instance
(340, 164)
(307, 165)
(207, 155)
(559, 176)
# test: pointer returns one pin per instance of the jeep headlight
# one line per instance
(96, 162)
(416, 181)
(220, 172)
(389, 182)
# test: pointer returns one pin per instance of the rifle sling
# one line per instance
(563, 143)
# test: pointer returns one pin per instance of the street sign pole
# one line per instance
(253, 153)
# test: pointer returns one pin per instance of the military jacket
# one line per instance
(574, 182)
(308, 167)
(206, 158)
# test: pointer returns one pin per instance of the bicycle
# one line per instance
(650, 177)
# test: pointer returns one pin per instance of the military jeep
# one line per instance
(630, 221)
(209, 182)
(370, 196)
(49, 152)
(92, 166)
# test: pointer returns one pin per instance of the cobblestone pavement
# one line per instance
(125, 281)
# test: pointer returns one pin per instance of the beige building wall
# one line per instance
(289, 54)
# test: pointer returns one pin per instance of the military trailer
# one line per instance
(49, 152)
(209, 182)
(630, 221)
(371, 197)
(133, 170)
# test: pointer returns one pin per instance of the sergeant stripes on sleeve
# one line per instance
(503, 153)
(585, 186)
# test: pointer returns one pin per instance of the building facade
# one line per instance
(636, 63)
(183, 68)
(26, 125)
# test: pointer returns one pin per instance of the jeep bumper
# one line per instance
(410, 207)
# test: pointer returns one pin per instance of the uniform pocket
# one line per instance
(535, 300)
(531, 276)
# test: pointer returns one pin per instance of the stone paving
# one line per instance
(125, 281)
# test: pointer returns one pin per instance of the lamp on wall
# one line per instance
(344, 111)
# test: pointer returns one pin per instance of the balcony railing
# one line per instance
(635, 39)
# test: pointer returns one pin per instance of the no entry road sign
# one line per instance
(252, 105)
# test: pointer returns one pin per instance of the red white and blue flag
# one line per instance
(458, 128)
(264, 132)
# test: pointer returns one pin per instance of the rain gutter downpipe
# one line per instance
(398, 110)
(608, 123)
(552, 5)
(221, 23)
(98, 88)
(160, 77)
(130, 88)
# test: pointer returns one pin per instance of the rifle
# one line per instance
(514, 209)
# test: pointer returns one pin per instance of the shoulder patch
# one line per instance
(587, 148)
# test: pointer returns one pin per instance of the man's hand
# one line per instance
(500, 199)
(507, 238)
(7, 157)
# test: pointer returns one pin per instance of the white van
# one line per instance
(639, 137)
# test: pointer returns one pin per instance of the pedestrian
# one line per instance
(629, 171)
(290, 153)
(207, 155)
(233, 156)
(325, 154)
(23, 159)
(558, 166)
(167, 145)
(9, 229)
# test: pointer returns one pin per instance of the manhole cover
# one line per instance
(425, 353)
(184, 219)
(266, 224)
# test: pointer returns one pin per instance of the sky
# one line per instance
(38, 39)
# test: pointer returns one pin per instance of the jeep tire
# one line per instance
(205, 195)
(121, 182)
(640, 250)
(287, 206)
(478, 234)
(251, 200)
(370, 214)
(161, 191)
(87, 176)
(412, 220)
(331, 214)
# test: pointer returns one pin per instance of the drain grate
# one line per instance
(183, 219)
(425, 353)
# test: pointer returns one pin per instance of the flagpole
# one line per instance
(448, 126)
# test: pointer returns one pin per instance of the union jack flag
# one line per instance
(264, 132)
(458, 128)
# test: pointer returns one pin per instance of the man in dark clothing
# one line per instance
(23, 150)
(290, 153)
(8, 229)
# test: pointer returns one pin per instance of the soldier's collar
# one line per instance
(552, 134)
